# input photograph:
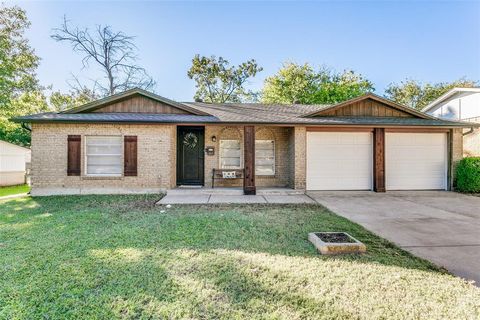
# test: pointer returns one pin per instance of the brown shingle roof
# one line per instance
(238, 113)
(256, 112)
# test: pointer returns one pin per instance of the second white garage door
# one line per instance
(339, 161)
(416, 161)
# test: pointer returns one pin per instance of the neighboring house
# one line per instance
(460, 104)
(137, 141)
(13, 162)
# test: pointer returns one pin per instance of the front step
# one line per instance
(279, 192)
(184, 190)
(205, 191)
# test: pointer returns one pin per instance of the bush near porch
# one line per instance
(468, 175)
(106, 257)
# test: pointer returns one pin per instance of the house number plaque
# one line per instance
(210, 151)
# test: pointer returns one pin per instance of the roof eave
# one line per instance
(16, 145)
(444, 96)
(444, 125)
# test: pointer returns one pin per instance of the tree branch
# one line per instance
(113, 52)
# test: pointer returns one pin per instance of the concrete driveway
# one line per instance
(440, 226)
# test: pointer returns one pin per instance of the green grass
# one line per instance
(106, 257)
(10, 190)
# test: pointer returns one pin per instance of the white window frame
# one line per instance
(220, 154)
(103, 174)
(274, 159)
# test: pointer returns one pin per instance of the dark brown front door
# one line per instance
(190, 155)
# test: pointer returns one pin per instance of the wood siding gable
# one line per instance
(136, 101)
(365, 108)
(369, 105)
(140, 104)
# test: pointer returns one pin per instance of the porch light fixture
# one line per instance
(214, 139)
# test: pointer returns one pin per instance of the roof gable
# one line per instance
(5, 144)
(369, 105)
(447, 95)
(135, 101)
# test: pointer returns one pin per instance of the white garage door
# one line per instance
(339, 160)
(416, 161)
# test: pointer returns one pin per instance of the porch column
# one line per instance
(249, 161)
(298, 171)
(379, 160)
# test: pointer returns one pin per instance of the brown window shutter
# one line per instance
(74, 155)
(130, 156)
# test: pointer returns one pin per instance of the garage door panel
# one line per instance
(406, 152)
(339, 161)
(416, 161)
(340, 153)
(418, 139)
(340, 138)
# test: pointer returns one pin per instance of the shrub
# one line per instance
(468, 175)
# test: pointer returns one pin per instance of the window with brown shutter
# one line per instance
(130, 156)
(74, 155)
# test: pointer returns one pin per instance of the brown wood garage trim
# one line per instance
(379, 160)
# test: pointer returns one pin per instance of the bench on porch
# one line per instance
(226, 174)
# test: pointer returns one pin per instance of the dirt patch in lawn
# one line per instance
(334, 237)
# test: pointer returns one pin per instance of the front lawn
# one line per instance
(11, 190)
(104, 257)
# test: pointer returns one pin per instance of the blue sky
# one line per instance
(385, 41)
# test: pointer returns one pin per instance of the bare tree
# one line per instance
(113, 51)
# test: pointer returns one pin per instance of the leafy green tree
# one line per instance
(338, 87)
(418, 95)
(19, 89)
(217, 82)
(26, 103)
(62, 101)
(295, 83)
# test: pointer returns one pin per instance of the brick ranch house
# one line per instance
(139, 142)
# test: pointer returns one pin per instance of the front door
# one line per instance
(190, 155)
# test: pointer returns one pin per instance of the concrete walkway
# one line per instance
(233, 195)
(13, 196)
(443, 227)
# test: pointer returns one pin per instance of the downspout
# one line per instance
(26, 127)
(468, 132)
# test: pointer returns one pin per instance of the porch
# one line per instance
(235, 160)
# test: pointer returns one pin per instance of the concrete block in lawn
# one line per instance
(336, 243)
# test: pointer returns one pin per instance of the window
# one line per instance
(230, 154)
(264, 157)
(103, 155)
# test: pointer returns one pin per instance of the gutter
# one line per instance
(306, 124)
